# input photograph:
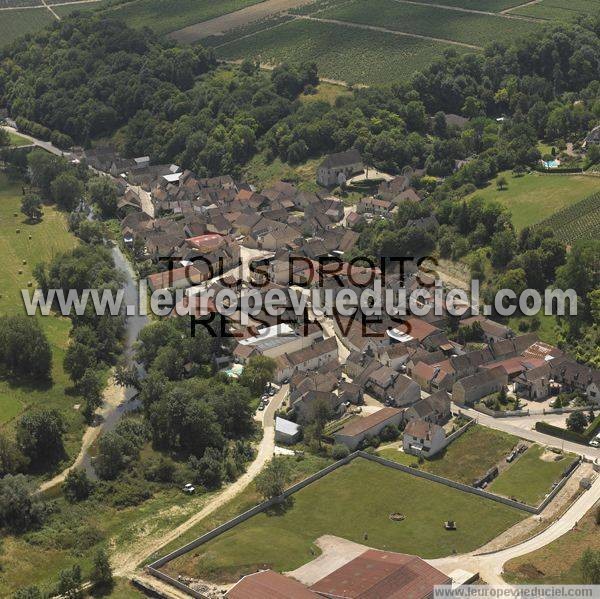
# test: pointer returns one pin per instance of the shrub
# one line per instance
(339, 452)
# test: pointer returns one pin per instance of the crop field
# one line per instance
(341, 53)
(531, 197)
(578, 221)
(15, 23)
(559, 10)
(465, 27)
(164, 16)
(341, 504)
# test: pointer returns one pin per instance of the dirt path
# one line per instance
(386, 30)
(126, 563)
(508, 10)
(502, 15)
(113, 396)
(219, 25)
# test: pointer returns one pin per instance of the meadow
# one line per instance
(341, 504)
(341, 53)
(467, 458)
(48, 237)
(530, 477)
(535, 196)
(469, 28)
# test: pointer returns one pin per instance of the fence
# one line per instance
(499, 414)
(153, 568)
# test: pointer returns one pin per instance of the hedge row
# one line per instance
(561, 433)
(60, 140)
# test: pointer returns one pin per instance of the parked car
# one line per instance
(595, 442)
(189, 488)
(272, 391)
(261, 407)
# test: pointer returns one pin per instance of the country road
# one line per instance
(126, 563)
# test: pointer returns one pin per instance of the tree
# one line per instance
(31, 207)
(501, 183)
(12, 459)
(20, 510)
(503, 247)
(79, 359)
(69, 583)
(40, 436)
(258, 371)
(339, 452)
(44, 168)
(103, 193)
(28, 593)
(577, 422)
(115, 453)
(24, 347)
(90, 387)
(77, 486)
(66, 190)
(209, 468)
(273, 480)
(590, 566)
(101, 576)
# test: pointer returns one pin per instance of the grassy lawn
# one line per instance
(465, 459)
(17, 140)
(48, 237)
(548, 331)
(529, 478)
(326, 92)
(535, 196)
(261, 173)
(559, 562)
(344, 504)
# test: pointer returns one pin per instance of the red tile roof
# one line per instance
(382, 575)
(360, 425)
(269, 585)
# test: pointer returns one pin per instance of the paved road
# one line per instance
(490, 566)
(46, 145)
(509, 425)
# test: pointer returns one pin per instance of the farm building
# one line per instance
(286, 431)
(336, 168)
(363, 428)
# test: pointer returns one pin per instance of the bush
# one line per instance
(339, 452)
(77, 486)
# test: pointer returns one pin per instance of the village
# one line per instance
(413, 386)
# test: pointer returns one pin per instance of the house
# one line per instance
(380, 380)
(378, 574)
(354, 220)
(280, 339)
(535, 383)
(269, 585)
(434, 408)
(305, 406)
(592, 138)
(388, 190)
(423, 438)
(350, 392)
(473, 388)
(275, 239)
(307, 358)
(371, 205)
(404, 392)
(336, 168)
(286, 431)
(492, 331)
(359, 429)
(576, 377)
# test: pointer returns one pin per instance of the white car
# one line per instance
(189, 489)
(595, 442)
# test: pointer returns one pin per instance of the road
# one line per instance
(514, 426)
(46, 145)
(125, 564)
(490, 566)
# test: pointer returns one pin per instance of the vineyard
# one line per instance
(578, 221)
(341, 53)
(559, 10)
(465, 27)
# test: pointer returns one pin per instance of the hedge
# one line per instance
(561, 433)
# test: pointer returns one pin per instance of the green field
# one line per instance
(17, 140)
(580, 220)
(486, 5)
(467, 458)
(48, 237)
(535, 196)
(164, 16)
(341, 53)
(469, 28)
(530, 478)
(342, 504)
(559, 10)
(15, 23)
